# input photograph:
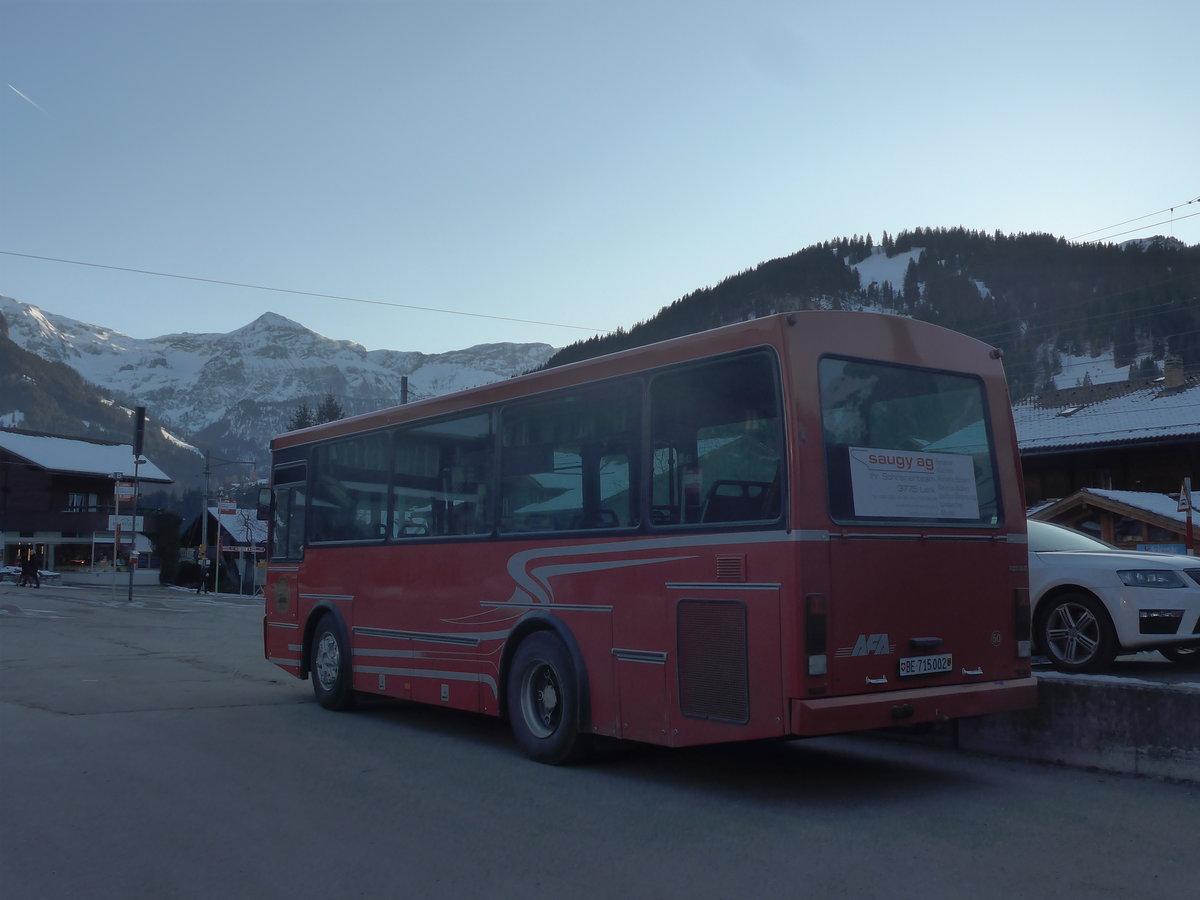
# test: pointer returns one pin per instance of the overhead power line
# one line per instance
(277, 290)
(1144, 227)
(1159, 212)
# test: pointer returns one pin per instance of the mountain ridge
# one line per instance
(1049, 305)
(235, 390)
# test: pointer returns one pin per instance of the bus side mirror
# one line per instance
(265, 499)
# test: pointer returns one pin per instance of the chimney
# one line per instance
(1172, 373)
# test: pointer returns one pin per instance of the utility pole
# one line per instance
(203, 554)
(139, 433)
(208, 467)
(117, 477)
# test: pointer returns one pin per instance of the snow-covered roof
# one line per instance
(237, 524)
(1159, 504)
(1144, 414)
(60, 454)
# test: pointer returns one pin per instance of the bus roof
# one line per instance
(857, 333)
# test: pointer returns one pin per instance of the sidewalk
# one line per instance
(120, 592)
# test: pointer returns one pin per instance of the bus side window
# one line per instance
(441, 479)
(349, 489)
(718, 439)
(287, 532)
(567, 462)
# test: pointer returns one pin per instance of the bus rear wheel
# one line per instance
(543, 701)
(329, 663)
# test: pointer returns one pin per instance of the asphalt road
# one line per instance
(148, 751)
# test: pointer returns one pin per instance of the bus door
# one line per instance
(920, 575)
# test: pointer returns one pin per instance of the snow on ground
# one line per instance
(878, 268)
(1098, 369)
(1120, 681)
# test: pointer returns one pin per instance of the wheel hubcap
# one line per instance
(541, 701)
(1073, 633)
(327, 662)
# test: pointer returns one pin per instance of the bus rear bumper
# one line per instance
(835, 715)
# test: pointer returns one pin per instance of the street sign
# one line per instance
(126, 490)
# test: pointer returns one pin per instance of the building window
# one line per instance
(81, 502)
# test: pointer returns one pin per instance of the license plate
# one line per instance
(926, 665)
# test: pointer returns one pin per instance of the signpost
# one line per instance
(1185, 507)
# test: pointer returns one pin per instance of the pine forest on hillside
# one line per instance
(1035, 296)
(1039, 298)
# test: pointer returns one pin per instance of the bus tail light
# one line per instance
(1022, 623)
(816, 627)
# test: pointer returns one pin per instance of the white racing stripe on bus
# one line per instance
(533, 584)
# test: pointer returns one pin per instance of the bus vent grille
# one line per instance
(731, 568)
(713, 664)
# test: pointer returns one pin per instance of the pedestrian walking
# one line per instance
(29, 571)
(202, 586)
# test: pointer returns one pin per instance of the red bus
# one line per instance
(805, 524)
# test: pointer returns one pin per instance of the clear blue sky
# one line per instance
(572, 162)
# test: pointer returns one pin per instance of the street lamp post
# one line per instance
(133, 529)
(139, 436)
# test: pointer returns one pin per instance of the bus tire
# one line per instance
(543, 701)
(1076, 633)
(329, 664)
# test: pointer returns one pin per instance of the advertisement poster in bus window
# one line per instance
(911, 485)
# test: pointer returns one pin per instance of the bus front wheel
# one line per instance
(329, 662)
(543, 701)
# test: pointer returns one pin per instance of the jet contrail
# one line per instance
(26, 99)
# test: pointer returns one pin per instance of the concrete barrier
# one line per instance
(1102, 722)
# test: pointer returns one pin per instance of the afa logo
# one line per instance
(868, 645)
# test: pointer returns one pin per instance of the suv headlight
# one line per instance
(1152, 578)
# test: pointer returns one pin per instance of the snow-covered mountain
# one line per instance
(234, 391)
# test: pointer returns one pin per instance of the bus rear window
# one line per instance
(904, 444)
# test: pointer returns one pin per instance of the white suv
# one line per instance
(1092, 600)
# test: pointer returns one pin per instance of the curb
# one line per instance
(1099, 722)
